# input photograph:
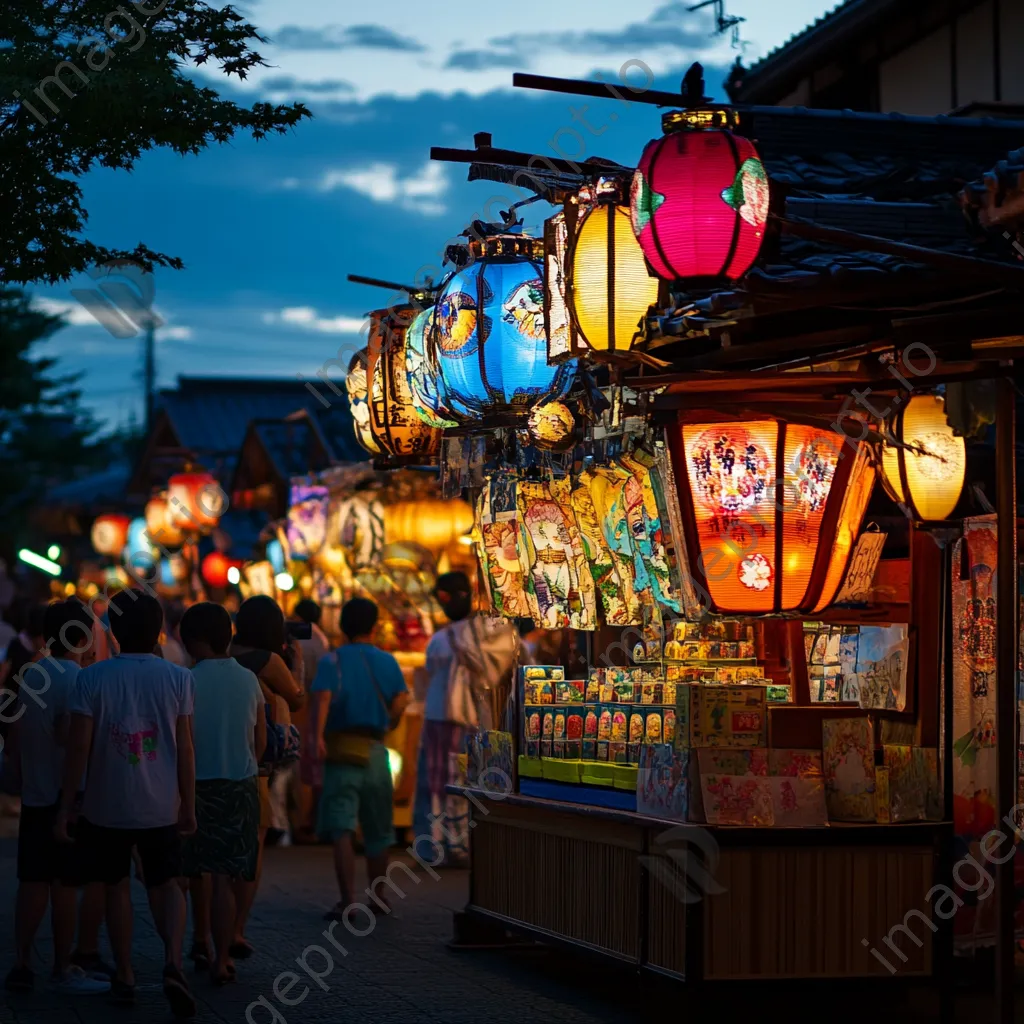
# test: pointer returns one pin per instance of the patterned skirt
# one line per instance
(227, 840)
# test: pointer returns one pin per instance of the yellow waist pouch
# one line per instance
(347, 748)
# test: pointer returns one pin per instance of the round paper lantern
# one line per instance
(424, 378)
(770, 512)
(489, 340)
(110, 534)
(161, 529)
(275, 555)
(610, 288)
(358, 388)
(433, 523)
(139, 554)
(397, 428)
(551, 426)
(215, 568)
(928, 481)
(196, 501)
(699, 204)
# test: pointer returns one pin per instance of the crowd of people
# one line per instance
(174, 744)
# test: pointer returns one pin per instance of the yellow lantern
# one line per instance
(929, 480)
(161, 529)
(431, 523)
(551, 426)
(358, 388)
(770, 511)
(397, 428)
(610, 289)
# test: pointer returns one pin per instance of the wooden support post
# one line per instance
(1007, 639)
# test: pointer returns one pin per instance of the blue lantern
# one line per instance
(489, 341)
(275, 555)
(424, 380)
(139, 553)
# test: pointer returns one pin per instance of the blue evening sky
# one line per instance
(268, 231)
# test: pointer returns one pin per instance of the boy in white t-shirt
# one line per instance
(131, 725)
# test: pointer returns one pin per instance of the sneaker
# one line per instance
(182, 1002)
(20, 979)
(285, 839)
(94, 965)
(75, 982)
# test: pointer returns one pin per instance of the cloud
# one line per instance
(671, 26)
(74, 314)
(309, 319)
(334, 37)
(420, 192)
(291, 84)
(483, 60)
(175, 334)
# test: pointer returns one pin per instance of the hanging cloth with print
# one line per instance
(645, 520)
(614, 592)
(501, 550)
(565, 592)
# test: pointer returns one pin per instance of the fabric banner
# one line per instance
(974, 726)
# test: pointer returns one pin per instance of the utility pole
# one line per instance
(149, 370)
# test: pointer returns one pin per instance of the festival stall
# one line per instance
(778, 673)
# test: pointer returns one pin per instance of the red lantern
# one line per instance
(699, 204)
(215, 569)
(110, 534)
(196, 501)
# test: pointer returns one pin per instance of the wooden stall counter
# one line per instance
(710, 903)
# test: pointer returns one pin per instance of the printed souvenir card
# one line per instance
(717, 761)
(908, 783)
(729, 716)
(882, 658)
(798, 802)
(849, 766)
(802, 764)
(662, 786)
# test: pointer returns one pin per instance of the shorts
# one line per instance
(266, 808)
(227, 841)
(356, 795)
(108, 851)
(41, 858)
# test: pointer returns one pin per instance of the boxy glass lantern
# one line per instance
(927, 480)
(397, 429)
(770, 511)
(699, 200)
(489, 339)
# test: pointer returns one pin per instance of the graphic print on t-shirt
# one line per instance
(133, 746)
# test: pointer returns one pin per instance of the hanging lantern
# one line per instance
(559, 235)
(196, 501)
(423, 378)
(928, 481)
(275, 555)
(358, 388)
(306, 528)
(489, 340)
(397, 429)
(215, 569)
(770, 512)
(161, 529)
(110, 534)
(139, 555)
(552, 426)
(699, 201)
(610, 288)
(431, 523)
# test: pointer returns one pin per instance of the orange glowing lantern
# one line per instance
(159, 526)
(771, 510)
(196, 502)
(110, 534)
(215, 569)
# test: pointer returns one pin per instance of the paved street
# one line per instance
(401, 973)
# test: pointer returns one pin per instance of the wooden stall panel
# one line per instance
(668, 891)
(804, 913)
(573, 885)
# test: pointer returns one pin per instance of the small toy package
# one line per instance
(570, 691)
(574, 732)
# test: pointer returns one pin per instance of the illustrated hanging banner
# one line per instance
(860, 576)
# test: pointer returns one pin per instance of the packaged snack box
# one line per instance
(532, 748)
(558, 749)
(593, 692)
(745, 649)
(571, 691)
(532, 721)
(574, 732)
(636, 725)
(545, 748)
(548, 725)
(618, 753)
(604, 723)
(653, 725)
(778, 693)
(620, 724)
(552, 672)
(668, 727)
(607, 692)
(625, 692)
(590, 713)
(652, 693)
(668, 693)
(602, 750)
(560, 715)
(538, 691)
(728, 716)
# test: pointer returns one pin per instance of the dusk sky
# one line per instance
(268, 231)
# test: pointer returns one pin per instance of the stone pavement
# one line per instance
(400, 973)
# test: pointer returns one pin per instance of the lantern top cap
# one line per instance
(698, 113)
(496, 245)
